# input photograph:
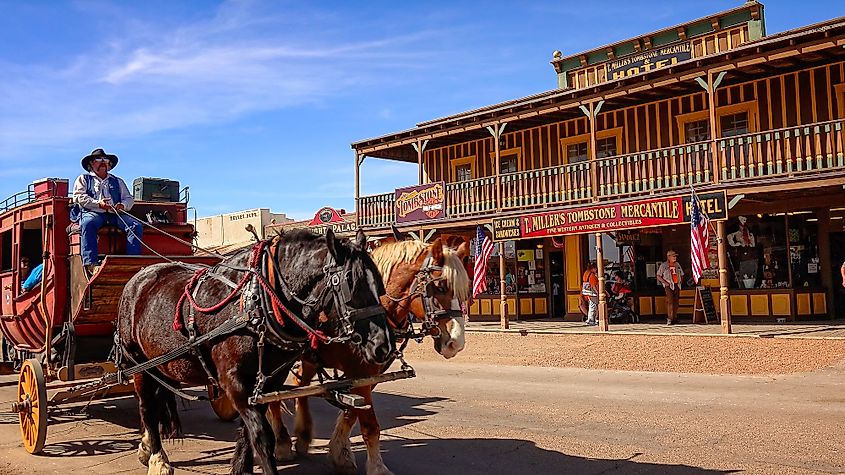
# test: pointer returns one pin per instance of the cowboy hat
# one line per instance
(99, 153)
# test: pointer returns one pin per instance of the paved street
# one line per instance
(464, 418)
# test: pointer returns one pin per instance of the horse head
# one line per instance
(430, 282)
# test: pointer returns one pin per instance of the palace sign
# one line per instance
(421, 203)
(330, 218)
(611, 217)
(650, 60)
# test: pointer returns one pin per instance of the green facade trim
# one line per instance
(734, 19)
(700, 28)
(597, 57)
(665, 38)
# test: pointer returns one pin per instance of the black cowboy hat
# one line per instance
(99, 153)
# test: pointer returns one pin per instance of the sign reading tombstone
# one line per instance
(421, 203)
(655, 58)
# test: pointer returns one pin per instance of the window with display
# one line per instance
(803, 237)
(530, 268)
(757, 252)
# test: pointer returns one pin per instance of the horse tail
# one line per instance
(170, 427)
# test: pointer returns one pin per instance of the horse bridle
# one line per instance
(337, 283)
(421, 287)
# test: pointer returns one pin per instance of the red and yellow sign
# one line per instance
(420, 203)
(610, 217)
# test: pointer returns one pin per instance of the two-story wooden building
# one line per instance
(603, 166)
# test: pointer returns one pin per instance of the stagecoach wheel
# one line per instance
(31, 406)
(224, 408)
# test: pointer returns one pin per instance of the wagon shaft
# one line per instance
(325, 388)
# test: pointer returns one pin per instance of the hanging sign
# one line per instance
(611, 217)
(650, 60)
(330, 218)
(421, 203)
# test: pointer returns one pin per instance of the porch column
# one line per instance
(603, 326)
(503, 303)
(496, 130)
(591, 113)
(710, 87)
(827, 268)
(359, 159)
(724, 302)
(420, 146)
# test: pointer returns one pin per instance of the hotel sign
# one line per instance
(421, 203)
(650, 60)
(611, 217)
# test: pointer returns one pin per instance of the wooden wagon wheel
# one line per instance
(31, 406)
(224, 408)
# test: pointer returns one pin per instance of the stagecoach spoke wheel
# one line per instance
(31, 406)
(223, 408)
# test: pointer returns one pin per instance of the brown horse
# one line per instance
(428, 281)
(286, 287)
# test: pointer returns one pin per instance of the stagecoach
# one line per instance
(60, 335)
(62, 329)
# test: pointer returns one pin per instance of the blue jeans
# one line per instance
(91, 222)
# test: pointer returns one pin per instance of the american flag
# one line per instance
(483, 249)
(699, 240)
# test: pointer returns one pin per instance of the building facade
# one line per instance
(715, 106)
(228, 231)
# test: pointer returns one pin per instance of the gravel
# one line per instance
(676, 354)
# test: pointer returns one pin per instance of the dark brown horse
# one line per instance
(413, 272)
(284, 287)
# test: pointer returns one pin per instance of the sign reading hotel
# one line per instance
(650, 60)
(611, 217)
(421, 203)
(330, 218)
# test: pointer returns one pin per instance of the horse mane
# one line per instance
(388, 256)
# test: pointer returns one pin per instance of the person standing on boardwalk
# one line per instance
(590, 292)
(670, 275)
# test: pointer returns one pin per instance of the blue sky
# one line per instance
(254, 104)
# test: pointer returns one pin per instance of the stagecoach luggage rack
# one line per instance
(155, 189)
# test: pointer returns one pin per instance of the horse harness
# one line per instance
(260, 302)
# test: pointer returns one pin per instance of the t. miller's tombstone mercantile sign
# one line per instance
(611, 217)
(420, 203)
(650, 60)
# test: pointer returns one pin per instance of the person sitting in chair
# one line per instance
(101, 198)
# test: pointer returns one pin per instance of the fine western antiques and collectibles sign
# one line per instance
(330, 218)
(650, 60)
(421, 202)
(611, 217)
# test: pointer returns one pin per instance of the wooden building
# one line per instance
(714, 104)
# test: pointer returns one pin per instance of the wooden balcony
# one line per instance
(766, 157)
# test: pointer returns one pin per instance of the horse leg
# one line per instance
(284, 446)
(242, 461)
(340, 448)
(304, 425)
(150, 451)
(370, 432)
(260, 437)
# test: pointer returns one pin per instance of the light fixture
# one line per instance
(801, 212)
(759, 215)
(812, 219)
(834, 218)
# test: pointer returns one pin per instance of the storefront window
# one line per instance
(804, 249)
(530, 267)
(758, 257)
(492, 275)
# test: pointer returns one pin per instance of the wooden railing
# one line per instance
(789, 151)
(554, 185)
(466, 198)
(655, 170)
(377, 210)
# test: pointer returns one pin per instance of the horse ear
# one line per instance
(334, 245)
(463, 250)
(361, 239)
(397, 235)
(437, 251)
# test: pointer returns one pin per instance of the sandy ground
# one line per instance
(681, 354)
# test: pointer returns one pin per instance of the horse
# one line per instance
(331, 283)
(428, 281)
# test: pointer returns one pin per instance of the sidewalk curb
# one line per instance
(651, 333)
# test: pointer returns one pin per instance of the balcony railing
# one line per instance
(788, 152)
(662, 169)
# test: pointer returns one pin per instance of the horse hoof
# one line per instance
(378, 470)
(284, 453)
(159, 465)
(343, 460)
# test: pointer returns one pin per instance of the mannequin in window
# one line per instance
(745, 248)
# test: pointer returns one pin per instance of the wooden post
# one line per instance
(593, 153)
(496, 131)
(714, 152)
(420, 146)
(503, 303)
(603, 325)
(826, 267)
(358, 160)
(724, 302)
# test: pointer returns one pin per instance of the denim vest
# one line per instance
(114, 193)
